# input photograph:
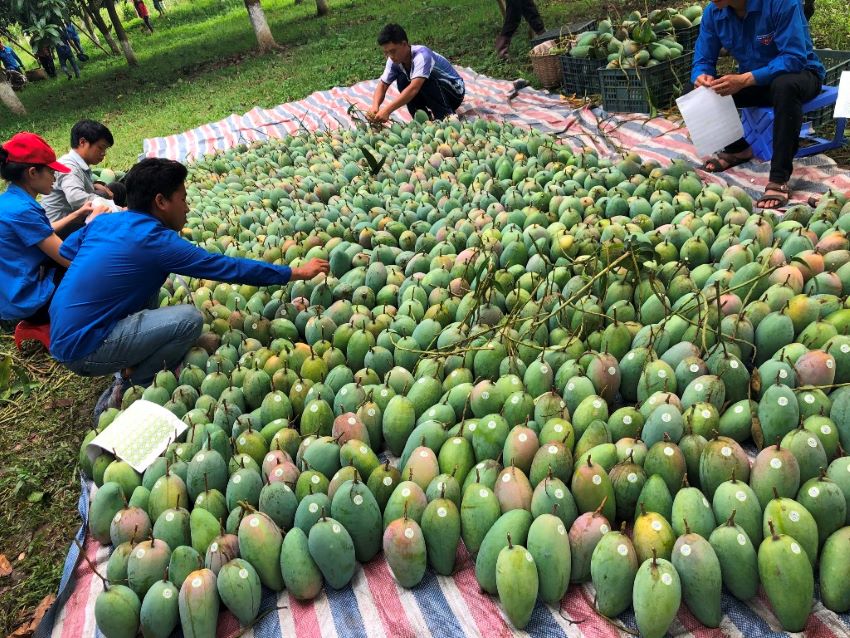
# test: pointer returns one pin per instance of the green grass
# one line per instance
(200, 66)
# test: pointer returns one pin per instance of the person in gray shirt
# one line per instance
(90, 141)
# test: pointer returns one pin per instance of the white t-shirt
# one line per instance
(425, 64)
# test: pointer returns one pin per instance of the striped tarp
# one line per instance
(374, 606)
(652, 138)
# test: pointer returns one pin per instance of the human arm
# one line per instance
(383, 114)
(51, 247)
(73, 218)
(379, 95)
(790, 38)
(17, 57)
(706, 49)
(732, 83)
(184, 258)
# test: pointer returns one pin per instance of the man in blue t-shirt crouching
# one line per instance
(104, 317)
(426, 81)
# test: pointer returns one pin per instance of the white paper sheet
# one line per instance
(842, 102)
(712, 120)
(138, 435)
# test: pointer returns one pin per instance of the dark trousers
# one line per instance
(48, 269)
(436, 99)
(47, 64)
(786, 94)
(516, 10)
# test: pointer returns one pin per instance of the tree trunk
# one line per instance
(265, 39)
(121, 33)
(10, 99)
(322, 7)
(89, 27)
(101, 25)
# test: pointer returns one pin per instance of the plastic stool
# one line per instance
(758, 128)
(25, 331)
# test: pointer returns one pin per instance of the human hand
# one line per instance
(97, 210)
(101, 189)
(83, 211)
(704, 80)
(311, 269)
(731, 84)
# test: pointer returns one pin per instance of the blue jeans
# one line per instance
(65, 59)
(145, 342)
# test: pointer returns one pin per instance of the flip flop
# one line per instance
(782, 198)
(727, 158)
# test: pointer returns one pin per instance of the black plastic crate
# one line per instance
(687, 37)
(580, 75)
(568, 29)
(645, 89)
(835, 62)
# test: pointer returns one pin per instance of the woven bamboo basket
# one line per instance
(546, 65)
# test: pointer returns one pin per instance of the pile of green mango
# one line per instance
(557, 359)
(637, 41)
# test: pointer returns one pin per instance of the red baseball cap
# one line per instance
(29, 148)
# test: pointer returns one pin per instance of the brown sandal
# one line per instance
(723, 162)
(782, 197)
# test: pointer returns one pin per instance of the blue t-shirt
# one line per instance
(23, 225)
(10, 59)
(772, 39)
(425, 64)
(119, 262)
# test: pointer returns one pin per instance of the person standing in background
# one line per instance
(44, 53)
(515, 11)
(142, 10)
(159, 6)
(73, 38)
(66, 58)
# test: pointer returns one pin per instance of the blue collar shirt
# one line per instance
(118, 263)
(772, 39)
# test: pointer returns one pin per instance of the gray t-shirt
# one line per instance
(70, 190)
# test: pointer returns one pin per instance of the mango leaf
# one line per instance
(374, 165)
(5, 372)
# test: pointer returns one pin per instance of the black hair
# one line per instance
(14, 172)
(90, 131)
(152, 177)
(392, 33)
(119, 193)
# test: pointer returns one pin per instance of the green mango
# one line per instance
(628, 480)
(834, 567)
(788, 579)
(699, 571)
(116, 566)
(122, 473)
(839, 472)
(129, 524)
(355, 507)
(245, 484)
(479, 511)
(516, 523)
(301, 575)
(160, 614)
(656, 597)
(198, 604)
(774, 471)
(652, 536)
(613, 567)
(551, 496)
(738, 497)
(259, 544)
(790, 518)
(722, 459)
(778, 414)
(591, 488)
(222, 550)
(146, 564)
(441, 527)
(824, 500)
(116, 612)
(549, 545)
(332, 549)
(398, 421)
(322, 455)
(654, 497)
(107, 502)
(738, 559)
(409, 497)
(172, 526)
(808, 449)
(278, 501)
(553, 457)
(691, 510)
(240, 590)
(517, 583)
(405, 551)
(204, 527)
(666, 460)
(207, 470)
(168, 492)
(311, 482)
(184, 560)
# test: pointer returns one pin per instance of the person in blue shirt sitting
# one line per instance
(10, 59)
(777, 67)
(31, 263)
(426, 81)
(105, 315)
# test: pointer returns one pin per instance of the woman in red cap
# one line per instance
(30, 263)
